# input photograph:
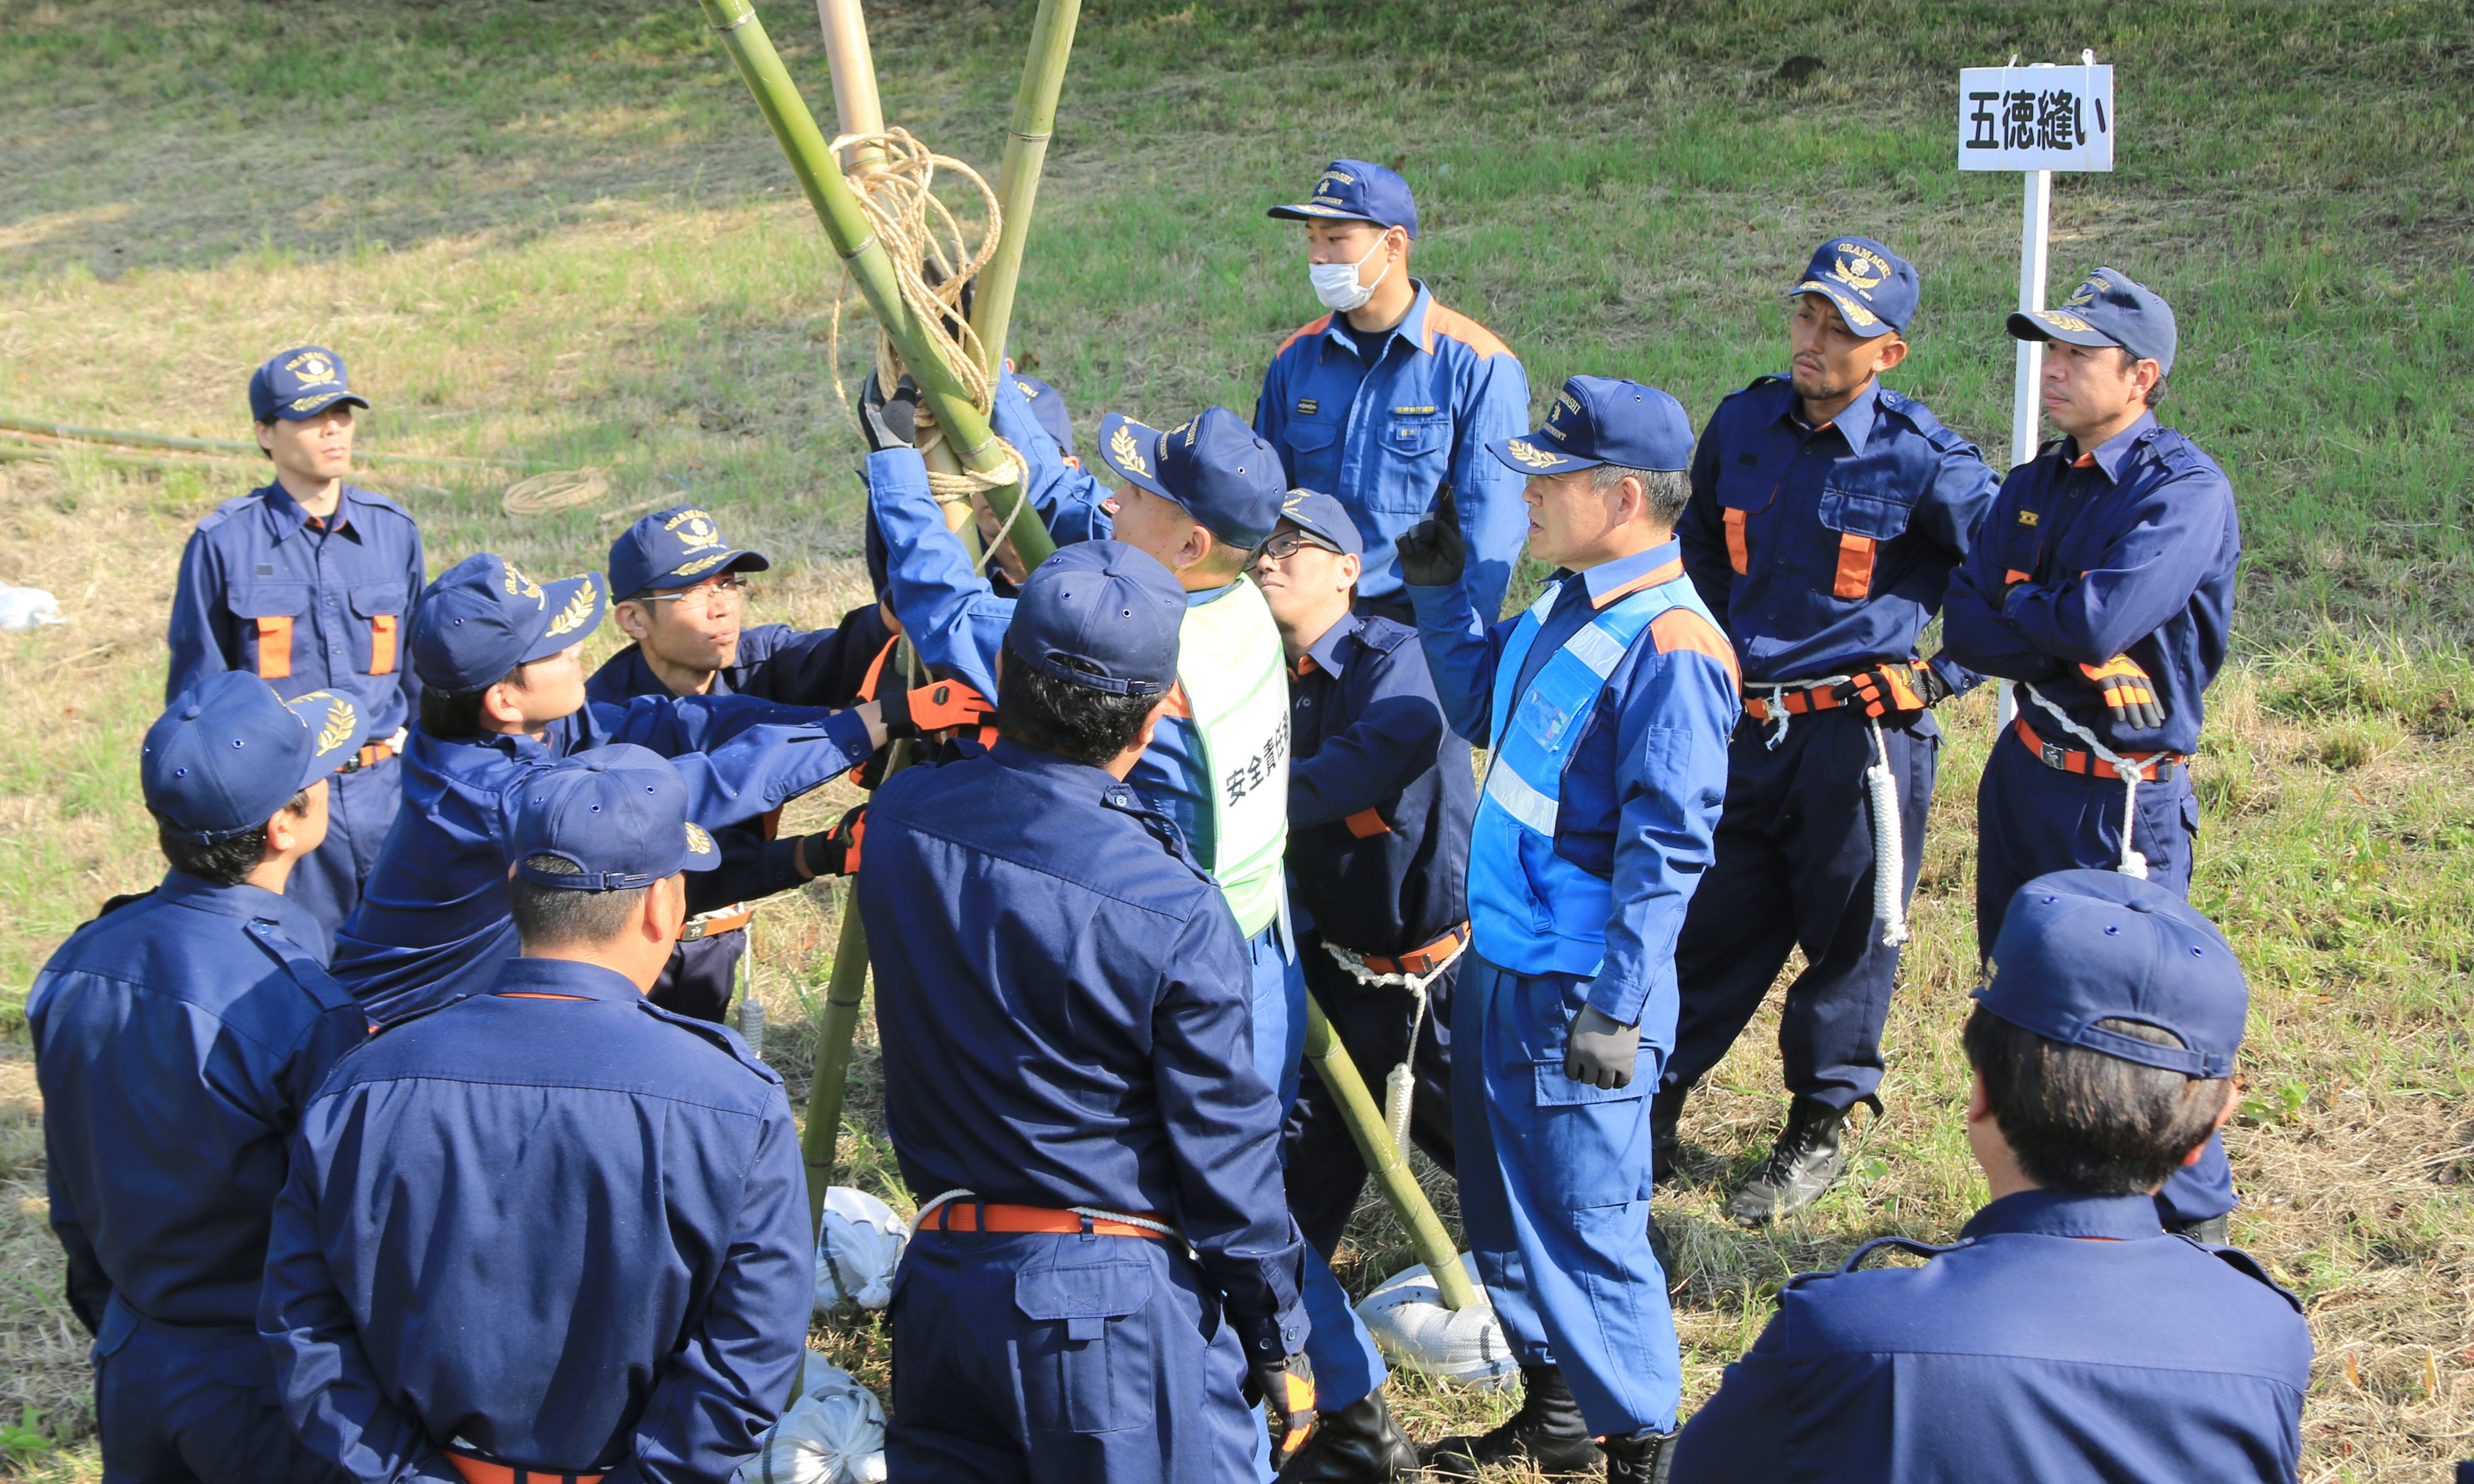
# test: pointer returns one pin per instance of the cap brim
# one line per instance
(2055, 325)
(1132, 452)
(335, 726)
(301, 409)
(710, 564)
(703, 854)
(1308, 211)
(575, 607)
(1860, 317)
(1531, 455)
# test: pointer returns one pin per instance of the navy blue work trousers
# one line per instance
(698, 980)
(1794, 868)
(2032, 819)
(1038, 1358)
(173, 1408)
(360, 811)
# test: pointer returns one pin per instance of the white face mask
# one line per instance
(1336, 284)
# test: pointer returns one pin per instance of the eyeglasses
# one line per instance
(706, 597)
(1287, 543)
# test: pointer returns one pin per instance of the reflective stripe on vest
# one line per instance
(1231, 663)
(1530, 910)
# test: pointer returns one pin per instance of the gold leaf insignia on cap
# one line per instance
(1531, 454)
(699, 840)
(577, 610)
(694, 528)
(1856, 314)
(1861, 268)
(312, 368)
(520, 586)
(1342, 176)
(315, 400)
(2086, 295)
(342, 726)
(1129, 458)
(690, 568)
(2060, 321)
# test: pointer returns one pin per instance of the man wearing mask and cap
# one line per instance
(1827, 514)
(2065, 1335)
(1070, 1080)
(2103, 589)
(552, 1232)
(1198, 498)
(680, 591)
(1390, 396)
(1607, 707)
(177, 1039)
(501, 657)
(309, 584)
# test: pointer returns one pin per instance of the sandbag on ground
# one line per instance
(834, 1433)
(1415, 1332)
(858, 1249)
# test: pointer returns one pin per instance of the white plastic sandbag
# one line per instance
(1415, 1332)
(857, 1250)
(25, 608)
(834, 1433)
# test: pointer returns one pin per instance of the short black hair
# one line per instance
(2084, 1122)
(558, 917)
(1049, 714)
(264, 451)
(2130, 362)
(458, 718)
(226, 861)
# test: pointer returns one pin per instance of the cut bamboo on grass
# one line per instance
(71, 432)
(1392, 1174)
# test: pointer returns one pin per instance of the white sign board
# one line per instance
(2035, 119)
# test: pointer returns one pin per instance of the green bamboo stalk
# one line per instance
(1365, 1119)
(135, 440)
(846, 226)
(1034, 120)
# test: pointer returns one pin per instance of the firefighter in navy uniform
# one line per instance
(310, 584)
(177, 1040)
(1380, 799)
(2103, 592)
(680, 592)
(1827, 512)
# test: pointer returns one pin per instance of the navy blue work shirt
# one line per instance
(177, 1039)
(304, 605)
(2131, 551)
(1645, 781)
(823, 666)
(1379, 428)
(1064, 1003)
(432, 925)
(1824, 549)
(2063, 1338)
(551, 1226)
(1380, 791)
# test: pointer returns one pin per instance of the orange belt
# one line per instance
(714, 924)
(1423, 960)
(369, 756)
(971, 1216)
(480, 1470)
(2063, 760)
(1795, 702)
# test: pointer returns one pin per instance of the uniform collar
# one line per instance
(1412, 327)
(243, 903)
(2110, 453)
(1195, 599)
(284, 515)
(1050, 767)
(1661, 563)
(1329, 652)
(565, 977)
(1854, 421)
(2060, 1214)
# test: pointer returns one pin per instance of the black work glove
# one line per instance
(938, 706)
(888, 422)
(2129, 692)
(834, 850)
(1599, 1052)
(1432, 554)
(1286, 1389)
(1893, 684)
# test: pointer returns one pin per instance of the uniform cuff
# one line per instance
(1620, 1000)
(1271, 1336)
(897, 471)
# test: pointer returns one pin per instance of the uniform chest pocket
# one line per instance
(1742, 494)
(1088, 1358)
(1855, 523)
(378, 611)
(268, 612)
(1417, 451)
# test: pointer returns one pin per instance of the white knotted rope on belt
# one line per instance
(1400, 1084)
(832, 1432)
(1094, 1212)
(2133, 774)
(858, 1244)
(1882, 788)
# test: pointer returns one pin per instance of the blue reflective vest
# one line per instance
(1533, 910)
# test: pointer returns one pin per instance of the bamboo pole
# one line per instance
(1365, 1119)
(1026, 151)
(846, 226)
(857, 108)
(43, 427)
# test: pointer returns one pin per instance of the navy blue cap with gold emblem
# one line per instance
(1324, 517)
(2110, 309)
(300, 383)
(229, 752)
(1356, 190)
(1603, 420)
(482, 618)
(614, 819)
(677, 548)
(1214, 465)
(1876, 290)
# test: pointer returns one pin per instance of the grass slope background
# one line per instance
(557, 233)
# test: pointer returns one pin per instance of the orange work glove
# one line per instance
(1893, 684)
(932, 708)
(2129, 692)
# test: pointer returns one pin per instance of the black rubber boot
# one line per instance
(2206, 1230)
(1803, 1163)
(1359, 1442)
(1641, 1460)
(1665, 1133)
(1546, 1434)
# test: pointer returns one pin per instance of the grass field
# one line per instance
(556, 235)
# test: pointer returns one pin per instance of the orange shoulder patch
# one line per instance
(1295, 336)
(1179, 704)
(1441, 321)
(1681, 628)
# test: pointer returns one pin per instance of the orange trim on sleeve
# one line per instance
(1681, 628)
(876, 668)
(2014, 575)
(275, 647)
(1459, 326)
(1854, 565)
(1366, 823)
(382, 643)
(1739, 556)
(1303, 330)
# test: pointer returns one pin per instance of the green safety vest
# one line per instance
(1229, 661)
